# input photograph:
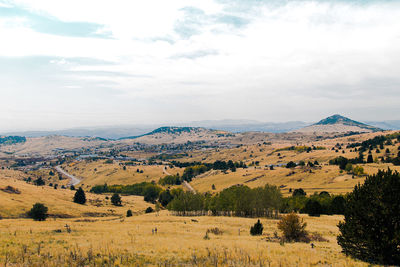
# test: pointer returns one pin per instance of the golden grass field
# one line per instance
(179, 242)
(59, 201)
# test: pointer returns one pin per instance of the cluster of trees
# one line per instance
(314, 205)
(292, 164)
(150, 191)
(234, 201)
(301, 148)
(195, 168)
(170, 180)
(9, 140)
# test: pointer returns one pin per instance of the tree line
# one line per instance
(237, 200)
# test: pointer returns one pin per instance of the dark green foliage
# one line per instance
(149, 190)
(72, 187)
(170, 180)
(9, 140)
(371, 228)
(129, 213)
(327, 204)
(370, 159)
(338, 205)
(38, 212)
(312, 208)
(39, 181)
(80, 196)
(291, 164)
(51, 173)
(298, 192)
(341, 161)
(165, 197)
(149, 210)
(116, 200)
(257, 229)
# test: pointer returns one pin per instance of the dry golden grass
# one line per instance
(98, 172)
(59, 201)
(179, 242)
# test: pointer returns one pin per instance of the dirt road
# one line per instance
(73, 180)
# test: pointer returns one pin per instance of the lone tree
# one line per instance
(129, 213)
(371, 228)
(293, 228)
(257, 229)
(80, 196)
(38, 212)
(116, 200)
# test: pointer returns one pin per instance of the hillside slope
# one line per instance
(339, 124)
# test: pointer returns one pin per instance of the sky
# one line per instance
(80, 63)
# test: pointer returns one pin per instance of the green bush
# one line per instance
(38, 212)
(257, 229)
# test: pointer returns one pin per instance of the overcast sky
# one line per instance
(86, 63)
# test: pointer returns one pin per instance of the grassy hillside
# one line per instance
(59, 201)
(99, 172)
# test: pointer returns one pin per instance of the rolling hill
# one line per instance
(339, 124)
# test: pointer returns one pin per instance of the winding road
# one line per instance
(73, 180)
(184, 183)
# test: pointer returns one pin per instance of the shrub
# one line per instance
(257, 229)
(39, 181)
(291, 164)
(299, 192)
(293, 228)
(371, 229)
(80, 196)
(116, 199)
(129, 213)
(38, 212)
(149, 210)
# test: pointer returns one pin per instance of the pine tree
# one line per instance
(370, 159)
(116, 200)
(257, 229)
(80, 196)
(371, 229)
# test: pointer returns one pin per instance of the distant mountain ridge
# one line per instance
(234, 126)
(339, 123)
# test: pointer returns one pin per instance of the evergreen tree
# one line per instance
(38, 212)
(257, 229)
(370, 159)
(129, 213)
(80, 196)
(116, 199)
(371, 229)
